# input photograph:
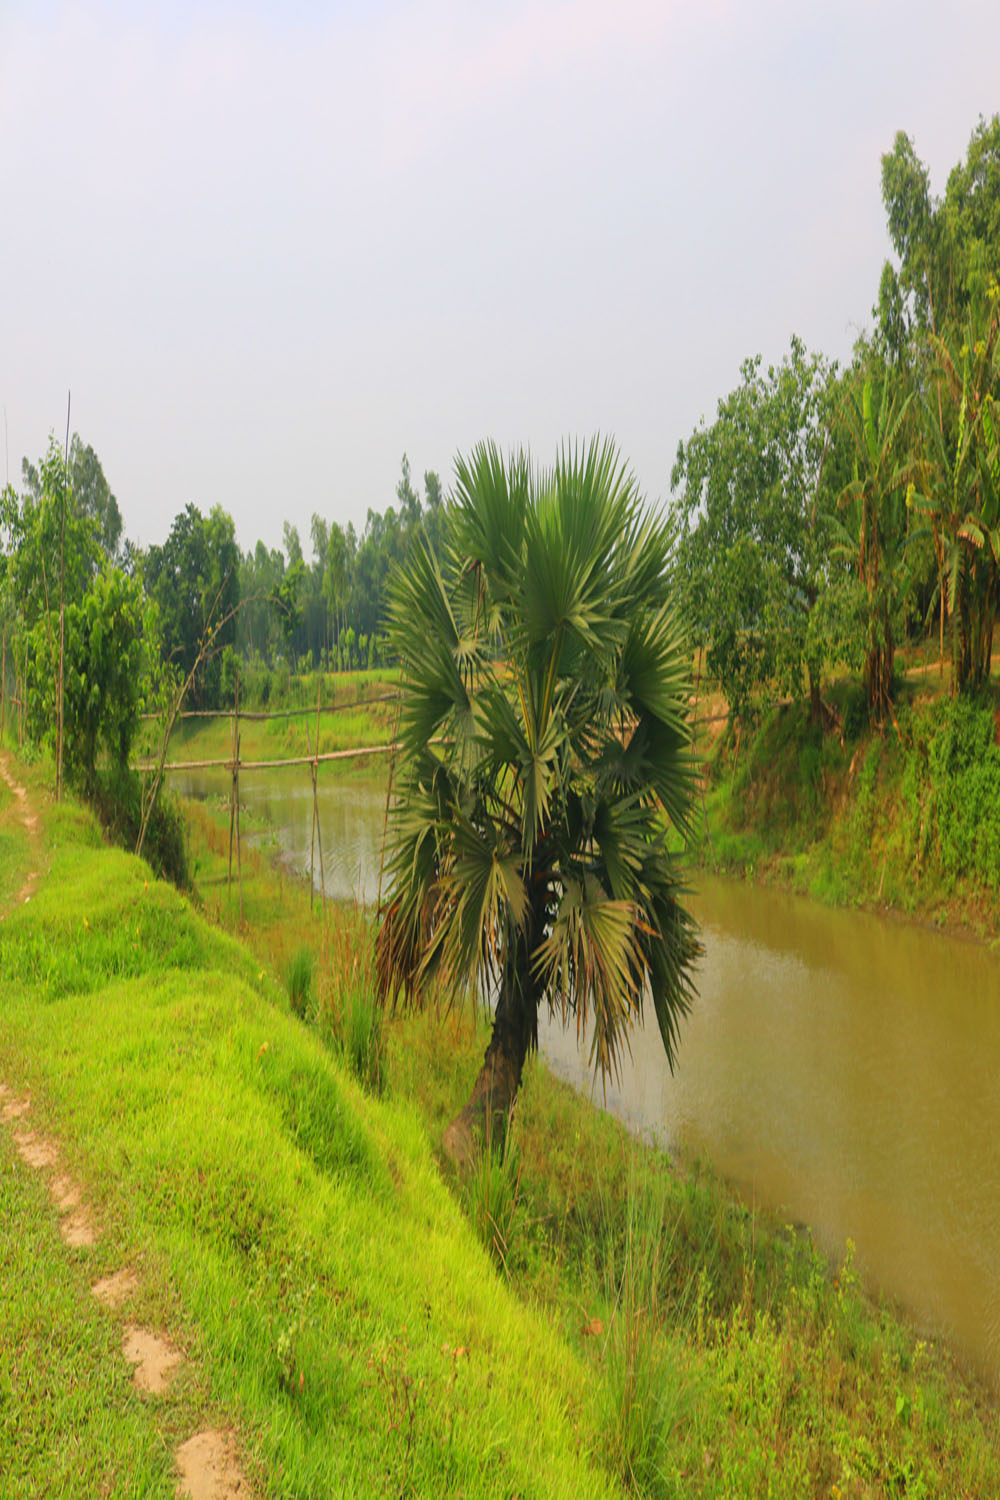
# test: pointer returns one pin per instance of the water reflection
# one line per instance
(351, 816)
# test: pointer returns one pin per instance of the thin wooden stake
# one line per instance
(319, 825)
(388, 794)
(232, 795)
(312, 837)
(236, 774)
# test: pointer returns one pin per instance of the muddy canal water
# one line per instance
(838, 1067)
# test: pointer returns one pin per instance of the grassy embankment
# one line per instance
(906, 818)
(291, 1235)
(282, 1220)
(723, 1356)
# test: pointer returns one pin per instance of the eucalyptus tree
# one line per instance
(939, 242)
(544, 766)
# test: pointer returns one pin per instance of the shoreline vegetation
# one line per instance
(583, 1317)
(903, 820)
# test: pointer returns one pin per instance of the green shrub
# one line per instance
(117, 801)
(964, 766)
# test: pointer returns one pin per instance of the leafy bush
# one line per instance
(117, 799)
(106, 674)
(964, 764)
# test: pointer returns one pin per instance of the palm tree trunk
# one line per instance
(484, 1119)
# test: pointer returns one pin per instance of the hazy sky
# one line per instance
(269, 247)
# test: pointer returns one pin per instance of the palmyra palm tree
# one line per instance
(544, 764)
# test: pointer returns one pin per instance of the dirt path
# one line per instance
(29, 817)
(207, 1463)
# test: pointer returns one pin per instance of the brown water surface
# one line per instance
(837, 1067)
(844, 1070)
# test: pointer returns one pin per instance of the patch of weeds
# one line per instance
(645, 1393)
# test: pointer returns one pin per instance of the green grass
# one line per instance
(70, 1421)
(643, 1332)
(301, 1246)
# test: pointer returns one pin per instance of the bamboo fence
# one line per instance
(234, 763)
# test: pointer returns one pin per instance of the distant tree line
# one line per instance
(129, 630)
(330, 611)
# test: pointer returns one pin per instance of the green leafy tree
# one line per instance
(544, 763)
(754, 494)
(941, 244)
(54, 540)
(289, 597)
(195, 580)
(107, 673)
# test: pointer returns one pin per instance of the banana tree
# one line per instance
(959, 489)
(873, 510)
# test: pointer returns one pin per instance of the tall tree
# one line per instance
(874, 506)
(959, 481)
(754, 495)
(544, 761)
(939, 243)
(195, 579)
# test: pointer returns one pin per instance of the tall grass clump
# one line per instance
(492, 1193)
(364, 1040)
(299, 978)
(349, 1018)
(644, 1393)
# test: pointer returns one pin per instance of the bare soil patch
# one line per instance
(113, 1290)
(13, 1106)
(78, 1230)
(155, 1360)
(65, 1193)
(36, 1150)
(210, 1469)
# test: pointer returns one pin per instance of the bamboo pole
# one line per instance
(236, 791)
(319, 826)
(3, 684)
(312, 837)
(232, 796)
(284, 713)
(357, 753)
(385, 815)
